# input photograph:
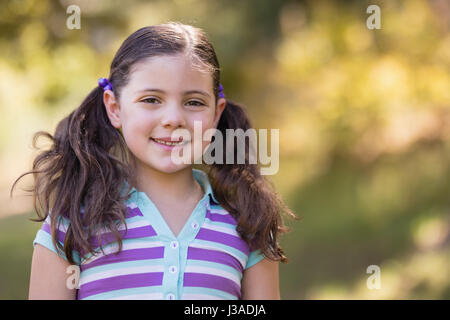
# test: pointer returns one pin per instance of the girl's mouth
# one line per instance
(168, 145)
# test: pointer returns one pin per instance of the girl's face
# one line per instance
(164, 93)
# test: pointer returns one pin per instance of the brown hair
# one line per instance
(88, 161)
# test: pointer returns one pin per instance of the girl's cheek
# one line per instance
(142, 122)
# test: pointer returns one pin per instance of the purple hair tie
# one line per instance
(105, 84)
(221, 94)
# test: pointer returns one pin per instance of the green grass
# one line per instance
(16, 248)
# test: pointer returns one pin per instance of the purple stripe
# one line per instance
(212, 282)
(60, 235)
(133, 212)
(224, 238)
(214, 256)
(226, 218)
(126, 255)
(139, 232)
(120, 282)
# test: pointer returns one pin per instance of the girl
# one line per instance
(121, 219)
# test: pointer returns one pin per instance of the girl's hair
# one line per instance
(81, 176)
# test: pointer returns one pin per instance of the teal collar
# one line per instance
(203, 180)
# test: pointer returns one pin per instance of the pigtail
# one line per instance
(246, 194)
(80, 177)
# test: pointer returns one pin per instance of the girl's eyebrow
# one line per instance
(186, 92)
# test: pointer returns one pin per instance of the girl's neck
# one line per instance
(164, 187)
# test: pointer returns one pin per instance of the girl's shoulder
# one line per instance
(44, 236)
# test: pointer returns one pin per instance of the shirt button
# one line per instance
(174, 244)
(172, 269)
(170, 296)
(194, 225)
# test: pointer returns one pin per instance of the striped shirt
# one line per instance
(205, 261)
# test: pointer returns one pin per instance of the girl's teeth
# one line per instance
(167, 143)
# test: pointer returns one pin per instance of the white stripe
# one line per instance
(119, 272)
(205, 246)
(125, 246)
(62, 224)
(221, 229)
(219, 211)
(194, 296)
(214, 272)
(142, 296)
(132, 205)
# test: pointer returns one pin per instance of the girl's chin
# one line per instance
(166, 165)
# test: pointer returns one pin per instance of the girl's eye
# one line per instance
(198, 103)
(152, 100)
(149, 100)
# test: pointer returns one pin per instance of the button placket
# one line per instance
(170, 296)
(172, 258)
(173, 269)
(194, 225)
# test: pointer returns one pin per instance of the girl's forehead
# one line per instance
(171, 70)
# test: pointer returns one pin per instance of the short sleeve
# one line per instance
(44, 238)
(254, 257)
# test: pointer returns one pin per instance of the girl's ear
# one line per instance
(112, 108)
(221, 103)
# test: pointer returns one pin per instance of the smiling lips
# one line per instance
(168, 141)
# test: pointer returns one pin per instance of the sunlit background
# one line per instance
(364, 119)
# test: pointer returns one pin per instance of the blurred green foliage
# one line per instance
(363, 114)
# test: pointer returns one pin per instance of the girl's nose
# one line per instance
(172, 116)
